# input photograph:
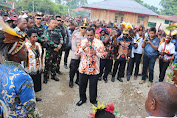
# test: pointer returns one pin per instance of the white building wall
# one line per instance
(158, 21)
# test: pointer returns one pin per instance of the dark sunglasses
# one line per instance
(125, 34)
(83, 28)
(38, 18)
(58, 20)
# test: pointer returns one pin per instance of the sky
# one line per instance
(150, 2)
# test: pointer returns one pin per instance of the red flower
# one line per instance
(110, 108)
(122, 55)
(92, 115)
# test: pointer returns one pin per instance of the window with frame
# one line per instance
(167, 22)
(151, 24)
(141, 19)
(119, 18)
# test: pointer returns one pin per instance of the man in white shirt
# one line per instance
(162, 100)
(136, 56)
(166, 51)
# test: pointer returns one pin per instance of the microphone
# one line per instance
(90, 44)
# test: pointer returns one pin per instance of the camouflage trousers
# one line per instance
(59, 59)
(50, 63)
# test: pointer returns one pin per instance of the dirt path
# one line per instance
(59, 101)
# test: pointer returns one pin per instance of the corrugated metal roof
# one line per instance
(122, 5)
(171, 18)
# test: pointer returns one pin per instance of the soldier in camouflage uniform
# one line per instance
(40, 31)
(60, 28)
(38, 27)
(54, 44)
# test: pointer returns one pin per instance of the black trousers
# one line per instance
(66, 55)
(93, 82)
(105, 66)
(37, 81)
(148, 61)
(74, 65)
(136, 60)
(162, 67)
(122, 64)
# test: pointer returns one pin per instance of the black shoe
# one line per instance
(80, 103)
(70, 84)
(77, 83)
(59, 73)
(45, 81)
(65, 66)
(56, 79)
(120, 79)
(113, 79)
(128, 78)
(38, 99)
(99, 78)
(105, 80)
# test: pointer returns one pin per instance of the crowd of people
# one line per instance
(97, 49)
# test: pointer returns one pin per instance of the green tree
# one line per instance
(45, 6)
(169, 7)
(75, 3)
(151, 7)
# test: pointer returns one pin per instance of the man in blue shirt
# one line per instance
(150, 46)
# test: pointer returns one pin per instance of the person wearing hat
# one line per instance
(22, 13)
(5, 15)
(10, 21)
(75, 60)
(17, 92)
(123, 55)
(166, 51)
(53, 40)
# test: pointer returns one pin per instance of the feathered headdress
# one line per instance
(109, 108)
(127, 26)
(11, 37)
(170, 31)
